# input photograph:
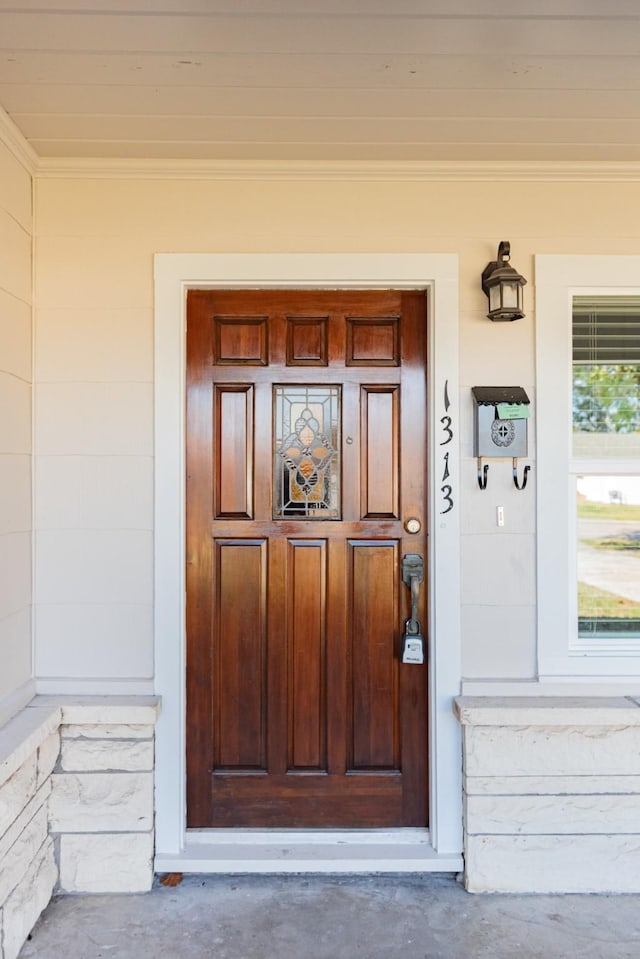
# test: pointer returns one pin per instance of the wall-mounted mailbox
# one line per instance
(501, 415)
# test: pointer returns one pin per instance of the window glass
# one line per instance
(606, 425)
(606, 376)
(608, 528)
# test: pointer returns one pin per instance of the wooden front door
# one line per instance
(306, 456)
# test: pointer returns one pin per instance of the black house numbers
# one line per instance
(447, 436)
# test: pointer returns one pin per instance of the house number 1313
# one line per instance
(446, 423)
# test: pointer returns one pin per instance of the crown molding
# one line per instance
(456, 170)
(13, 139)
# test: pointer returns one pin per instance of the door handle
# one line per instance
(413, 576)
(412, 648)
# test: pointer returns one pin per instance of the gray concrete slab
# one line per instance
(334, 917)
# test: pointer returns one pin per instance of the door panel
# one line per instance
(379, 445)
(306, 654)
(233, 451)
(240, 644)
(306, 451)
(373, 602)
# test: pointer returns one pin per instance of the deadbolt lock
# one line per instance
(413, 525)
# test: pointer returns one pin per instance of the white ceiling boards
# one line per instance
(349, 80)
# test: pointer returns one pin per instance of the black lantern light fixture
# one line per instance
(503, 285)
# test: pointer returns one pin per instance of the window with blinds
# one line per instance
(606, 329)
(606, 376)
(606, 428)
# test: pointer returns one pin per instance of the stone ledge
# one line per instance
(547, 711)
(22, 735)
(95, 710)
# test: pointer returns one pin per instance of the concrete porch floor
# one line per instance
(334, 917)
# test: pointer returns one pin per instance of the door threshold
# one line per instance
(308, 851)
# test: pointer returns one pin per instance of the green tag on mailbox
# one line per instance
(513, 411)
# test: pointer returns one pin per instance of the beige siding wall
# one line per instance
(15, 424)
(94, 439)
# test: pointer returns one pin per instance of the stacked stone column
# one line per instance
(101, 807)
(76, 804)
(551, 794)
(29, 747)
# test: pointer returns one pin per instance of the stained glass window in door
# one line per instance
(306, 455)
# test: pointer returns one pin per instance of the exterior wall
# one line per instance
(76, 805)
(95, 244)
(15, 428)
(551, 794)
(94, 491)
(96, 239)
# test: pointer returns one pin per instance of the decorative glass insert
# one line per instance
(306, 462)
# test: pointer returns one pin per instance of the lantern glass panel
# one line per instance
(510, 295)
(494, 298)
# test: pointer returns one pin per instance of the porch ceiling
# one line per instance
(324, 79)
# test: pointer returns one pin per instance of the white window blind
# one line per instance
(606, 329)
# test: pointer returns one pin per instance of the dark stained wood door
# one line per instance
(306, 454)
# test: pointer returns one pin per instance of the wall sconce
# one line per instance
(503, 285)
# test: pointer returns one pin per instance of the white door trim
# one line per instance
(174, 275)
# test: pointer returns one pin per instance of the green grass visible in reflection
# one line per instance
(627, 543)
(598, 603)
(587, 510)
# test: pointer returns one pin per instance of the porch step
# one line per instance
(292, 851)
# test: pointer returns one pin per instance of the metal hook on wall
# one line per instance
(482, 473)
(525, 475)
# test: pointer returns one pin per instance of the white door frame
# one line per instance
(174, 275)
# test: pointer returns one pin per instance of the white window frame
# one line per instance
(560, 655)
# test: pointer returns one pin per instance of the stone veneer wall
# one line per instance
(76, 804)
(551, 794)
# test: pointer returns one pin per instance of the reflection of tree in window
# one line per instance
(606, 364)
(606, 398)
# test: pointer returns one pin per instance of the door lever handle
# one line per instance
(413, 576)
